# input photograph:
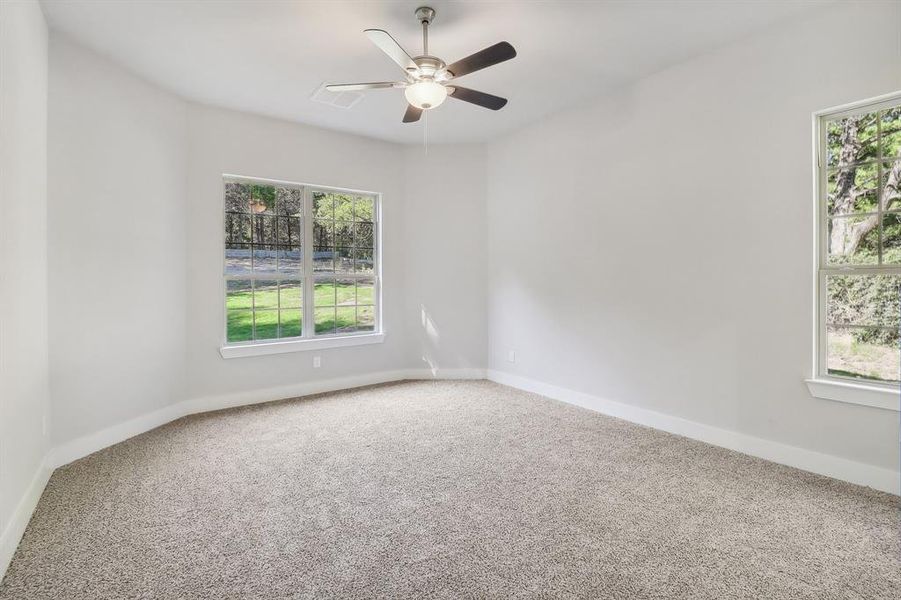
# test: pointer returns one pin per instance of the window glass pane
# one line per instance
(344, 207)
(290, 259)
(852, 189)
(324, 292)
(344, 260)
(323, 258)
(365, 291)
(363, 235)
(290, 295)
(290, 323)
(237, 259)
(345, 319)
(891, 132)
(240, 325)
(286, 234)
(238, 294)
(295, 231)
(891, 185)
(265, 324)
(289, 201)
(264, 229)
(851, 140)
(863, 300)
(323, 233)
(288, 231)
(363, 262)
(863, 352)
(344, 234)
(345, 292)
(237, 197)
(265, 294)
(262, 199)
(365, 318)
(364, 209)
(237, 228)
(323, 206)
(891, 239)
(852, 240)
(264, 259)
(325, 320)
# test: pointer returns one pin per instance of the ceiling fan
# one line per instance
(429, 81)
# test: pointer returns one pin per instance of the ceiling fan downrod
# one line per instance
(425, 14)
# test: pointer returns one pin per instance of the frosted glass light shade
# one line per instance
(425, 94)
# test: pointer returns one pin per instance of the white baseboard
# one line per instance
(88, 444)
(878, 478)
(9, 539)
(83, 446)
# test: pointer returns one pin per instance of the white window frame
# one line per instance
(308, 339)
(822, 384)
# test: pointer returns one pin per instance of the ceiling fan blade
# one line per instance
(491, 55)
(389, 46)
(357, 87)
(476, 97)
(412, 115)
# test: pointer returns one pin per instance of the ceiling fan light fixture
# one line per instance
(426, 94)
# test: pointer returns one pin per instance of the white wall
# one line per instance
(655, 248)
(24, 392)
(117, 216)
(446, 257)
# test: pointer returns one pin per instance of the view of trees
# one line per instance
(863, 205)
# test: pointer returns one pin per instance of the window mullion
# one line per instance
(879, 187)
(308, 290)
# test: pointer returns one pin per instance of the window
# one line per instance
(301, 263)
(859, 246)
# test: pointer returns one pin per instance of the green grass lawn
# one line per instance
(340, 307)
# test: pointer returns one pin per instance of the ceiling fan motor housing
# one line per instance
(429, 67)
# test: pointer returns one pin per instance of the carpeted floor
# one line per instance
(445, 490)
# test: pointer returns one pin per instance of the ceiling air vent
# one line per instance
(339, 99)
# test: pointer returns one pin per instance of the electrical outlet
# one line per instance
(317, 362)
(511, 356)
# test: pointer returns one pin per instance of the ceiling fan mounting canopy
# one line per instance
(427, 77)
(425, 14)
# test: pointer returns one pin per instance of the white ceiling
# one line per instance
(268, 57)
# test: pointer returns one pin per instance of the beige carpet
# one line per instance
(445, 490)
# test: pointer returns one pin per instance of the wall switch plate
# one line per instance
(511, 356)
(317, 362)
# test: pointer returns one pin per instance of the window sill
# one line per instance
(265, 348)
(855, 393)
